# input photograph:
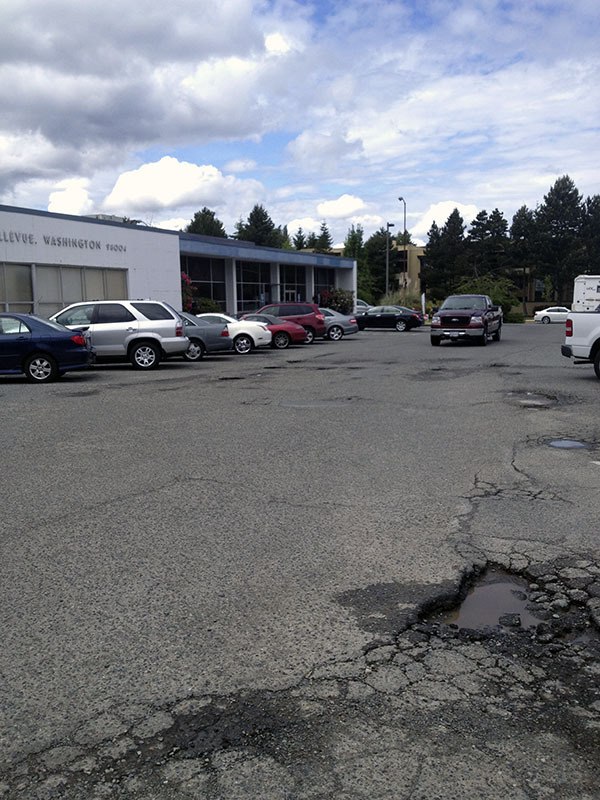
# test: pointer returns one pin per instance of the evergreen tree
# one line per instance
(523, 250)
(324, 240)
(446, 256)
(561, 251)
(488, 243)
(311, 241)
(375, 249)
(354, 247)
(299, 240)
(206, 223)
(591, 234)
(258, 228)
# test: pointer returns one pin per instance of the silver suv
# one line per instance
(141, 331)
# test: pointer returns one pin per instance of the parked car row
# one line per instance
(145, 332)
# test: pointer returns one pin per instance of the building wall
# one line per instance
(149, 257)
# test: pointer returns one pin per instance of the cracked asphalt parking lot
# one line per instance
(226, 579)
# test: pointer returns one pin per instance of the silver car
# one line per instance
(140, 331)
(338, 325)
(205, 337)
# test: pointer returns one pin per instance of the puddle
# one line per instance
(533, 399)
(569, 444)
(498, 599)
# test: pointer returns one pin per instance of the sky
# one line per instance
(320, 111)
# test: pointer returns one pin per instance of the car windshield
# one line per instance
(464, 302)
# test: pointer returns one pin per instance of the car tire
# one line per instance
(546, 320)
(335, 333)
(597, 364)
(281, 340)
(401, 326)
(243, 344)
(497, 335)
(40, 368)
(310, 336)
(144, 355)
(483, 340)
(196, 351)
(435, 341)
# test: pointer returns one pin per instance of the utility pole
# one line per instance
(388, 225)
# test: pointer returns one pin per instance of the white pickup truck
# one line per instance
(582, 338)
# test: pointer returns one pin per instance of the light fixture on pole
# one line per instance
(402, 200)
(388, 225)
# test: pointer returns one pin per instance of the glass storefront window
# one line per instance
(17, 283)
(253, 280)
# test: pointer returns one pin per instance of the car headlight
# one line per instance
(435, 320)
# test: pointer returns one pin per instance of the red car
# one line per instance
(306, 314)
(284, 332)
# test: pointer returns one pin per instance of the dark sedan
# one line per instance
(41, 349)
(205, 337)
(388, 317)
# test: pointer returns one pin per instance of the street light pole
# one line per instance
(405, 244)
(388, 225)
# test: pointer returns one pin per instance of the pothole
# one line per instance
(549, 607)
(533, 399)
(570, 444)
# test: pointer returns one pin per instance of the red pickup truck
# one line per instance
(467, 316)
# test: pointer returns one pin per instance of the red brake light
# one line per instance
(569, 327)
(320, 317)
(225, 332)
(179, 329)
(78, 339)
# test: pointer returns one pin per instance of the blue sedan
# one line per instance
(41, 349)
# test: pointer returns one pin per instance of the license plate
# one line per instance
(453, 335)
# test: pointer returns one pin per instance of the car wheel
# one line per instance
(435, 341)
(497, 335)
(483, 339)
(597, 364)
(281, 340)
(144, 355)
(335, 333)
(310, 336)
(40, 368)
(195, 351)
(401, 325)
(546, 320)
(243, 344)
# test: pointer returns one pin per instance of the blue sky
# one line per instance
(318, 111)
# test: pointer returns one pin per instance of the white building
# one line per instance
(50, 260)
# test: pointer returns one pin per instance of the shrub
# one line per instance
(205, 305)
(338, 300)
(514, 316)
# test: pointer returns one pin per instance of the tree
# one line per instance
(259, 228)
(311, 241)
(487, 243)
(299, 240)
(446, 256)
(502, 291)
(324, 240)
(375, 249)
(205, 222)
(561, 252)
(523, 249)
(591, 234)
(354, 247)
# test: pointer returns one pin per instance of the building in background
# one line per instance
(49, 260)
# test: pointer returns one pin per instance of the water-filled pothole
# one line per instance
(497, 599)
(569, 444)
(533, 399)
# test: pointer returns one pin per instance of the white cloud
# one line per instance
(439, 213)
(71, 197)
(240, 165)
(170, 183)
(345, 206)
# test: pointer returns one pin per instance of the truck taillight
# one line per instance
(569, 327)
